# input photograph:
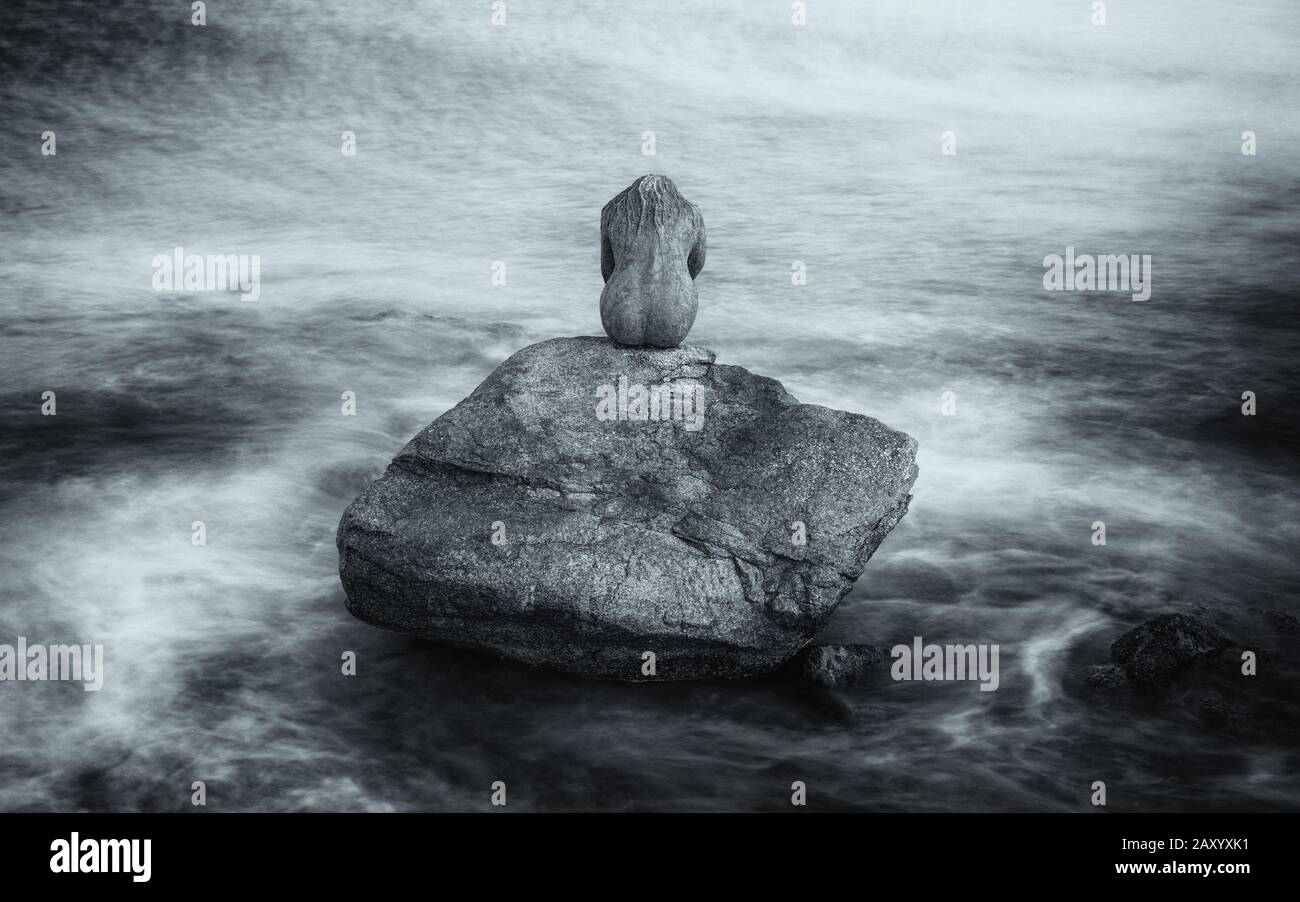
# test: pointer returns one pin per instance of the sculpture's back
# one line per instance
(651, 249)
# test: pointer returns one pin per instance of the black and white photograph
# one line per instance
(416, 412)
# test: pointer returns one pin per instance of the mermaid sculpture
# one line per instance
(651, 250)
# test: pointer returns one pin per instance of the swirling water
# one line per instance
(478, 144)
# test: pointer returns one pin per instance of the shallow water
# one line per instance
(478, 144)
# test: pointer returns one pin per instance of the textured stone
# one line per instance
(841, 665)
(1106, 678)
(1155, 652)
(624, 536)
(651, 249)
(1283, 622)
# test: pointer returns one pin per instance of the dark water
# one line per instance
(478, 144)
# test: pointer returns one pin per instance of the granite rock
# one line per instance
(547, 519)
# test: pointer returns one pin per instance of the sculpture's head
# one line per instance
(651, 200)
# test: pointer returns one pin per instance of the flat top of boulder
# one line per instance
(759, 458)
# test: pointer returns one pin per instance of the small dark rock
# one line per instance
(1152, 654)
(840, 665)
(1107, 678)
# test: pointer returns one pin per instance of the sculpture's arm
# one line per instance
(606, 256)
(695, 262)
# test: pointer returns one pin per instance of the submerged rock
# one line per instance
(1219, 712)
(590, 503)
(1152, 654)
(841, 665)
(1283, 622)
(1106, 678)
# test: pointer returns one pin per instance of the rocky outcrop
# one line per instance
(625, 513)
(1183, 662)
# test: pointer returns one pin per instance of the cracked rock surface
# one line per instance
(619, 537)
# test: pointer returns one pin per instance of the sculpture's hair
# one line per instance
(652, 200)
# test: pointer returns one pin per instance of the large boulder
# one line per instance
(589, 503)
